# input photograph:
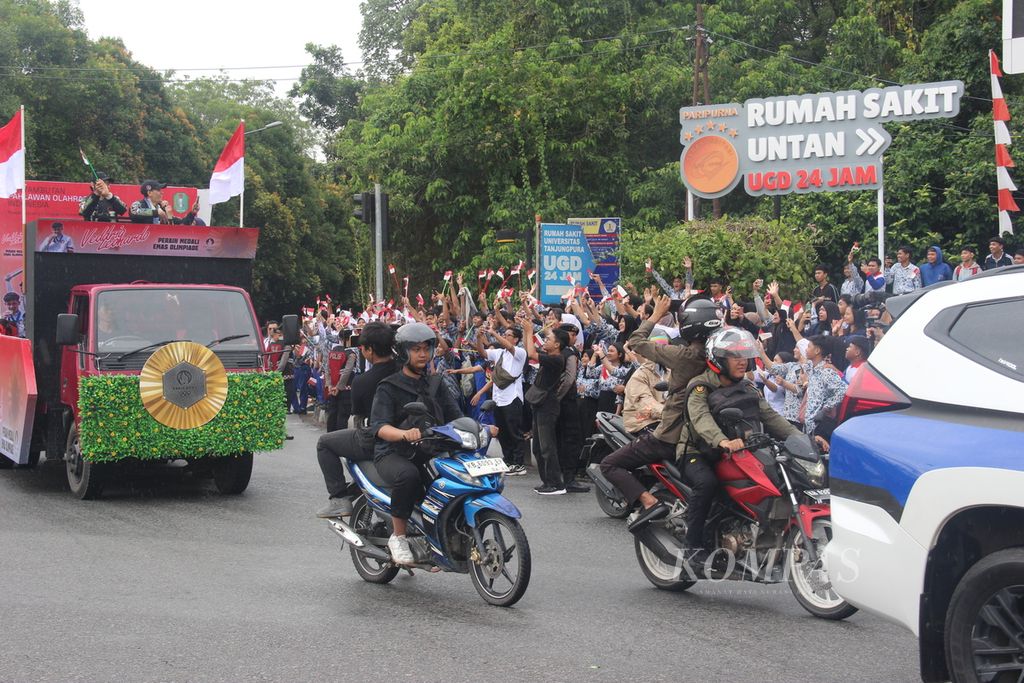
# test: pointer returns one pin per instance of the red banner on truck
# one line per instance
(145, 239)
(60, 200)
(17, 398)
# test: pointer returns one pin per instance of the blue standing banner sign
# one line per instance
(571, 251)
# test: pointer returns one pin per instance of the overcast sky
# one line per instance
(188, 35)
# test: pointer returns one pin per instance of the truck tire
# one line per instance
(85, 479)
(231, 473)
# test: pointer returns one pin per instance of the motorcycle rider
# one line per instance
(697, 319)
(729, 352)
(395, 456)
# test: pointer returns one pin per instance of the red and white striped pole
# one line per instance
(1000, 115)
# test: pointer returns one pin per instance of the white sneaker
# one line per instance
(400, 551)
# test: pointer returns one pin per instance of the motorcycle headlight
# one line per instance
(470, 441)
(485, 437)
(815, 471)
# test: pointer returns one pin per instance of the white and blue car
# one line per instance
(927, 478)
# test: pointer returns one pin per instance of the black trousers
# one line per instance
(545, 431)
(330, 449)
(509, 420)
(405, 479)
(704, 485)
(339, 409)
(588, 414)
(618, 467)
(570, 437)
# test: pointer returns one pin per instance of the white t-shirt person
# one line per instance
(513, 364)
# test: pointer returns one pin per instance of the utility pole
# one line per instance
(378, 238)
(702, 89)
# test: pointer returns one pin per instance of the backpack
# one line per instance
(741, 395)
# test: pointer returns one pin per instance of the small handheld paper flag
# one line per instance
(447, 275)
(85, 160)
(419, 300)
(621, 291)
(490, 274)
(532, 273)
(391, 268)
(481, 274)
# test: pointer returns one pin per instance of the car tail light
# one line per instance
(869, 392)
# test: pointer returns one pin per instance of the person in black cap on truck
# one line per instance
(153, 208)
(101, 204)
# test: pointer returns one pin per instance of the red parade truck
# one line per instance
(142, 347)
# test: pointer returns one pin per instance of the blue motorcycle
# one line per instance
(462, 525)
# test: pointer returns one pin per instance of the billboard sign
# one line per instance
(602, 235)
(17, 398)
(819, 142)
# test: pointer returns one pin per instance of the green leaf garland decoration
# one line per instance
(115, 425)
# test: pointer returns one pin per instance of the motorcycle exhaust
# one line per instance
(661, 543)
(356, 541)
(602, 483)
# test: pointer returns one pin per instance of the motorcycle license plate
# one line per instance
(479, 468)
(819, 494)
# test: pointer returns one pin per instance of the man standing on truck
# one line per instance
(153, 208)
(101, 204)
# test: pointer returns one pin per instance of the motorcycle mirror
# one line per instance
(417, 409)
(488, 405)
(801, 446)
(661, 386)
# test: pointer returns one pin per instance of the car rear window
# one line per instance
(994, 331)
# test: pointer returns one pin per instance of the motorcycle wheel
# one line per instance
(502, 571)
(667, 577)
(809, 580)
(613, 508)
(365, 522)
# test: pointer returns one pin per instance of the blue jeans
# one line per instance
(300, 394)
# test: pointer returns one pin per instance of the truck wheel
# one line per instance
(983, 623)
(231, 473)
(85, 478)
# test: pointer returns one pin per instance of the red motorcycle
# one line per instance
(770, 523)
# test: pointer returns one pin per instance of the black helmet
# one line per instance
(698, 318)
(410, 335)
(729, 342)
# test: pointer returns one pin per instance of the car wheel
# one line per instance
(985, 621)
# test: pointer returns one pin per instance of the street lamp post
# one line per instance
(272, 124)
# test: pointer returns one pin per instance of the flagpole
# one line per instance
(24, 187)
(241, 195)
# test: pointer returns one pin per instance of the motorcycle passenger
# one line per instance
(697, 319)
(375, 346)
(729, 353)
(395, 456)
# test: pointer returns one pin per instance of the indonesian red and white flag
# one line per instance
(419, 300)
(481, 274)
(12, 158)
(228, 177)
(391, 268)
(447, 275)
(532, 273)
(519, 267)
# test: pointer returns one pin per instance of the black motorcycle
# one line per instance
(611, 435)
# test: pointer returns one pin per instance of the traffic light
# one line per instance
(365, 207)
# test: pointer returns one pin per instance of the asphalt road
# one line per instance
(166, 580)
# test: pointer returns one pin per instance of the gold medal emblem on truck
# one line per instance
(183, 385)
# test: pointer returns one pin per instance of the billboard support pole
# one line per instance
(881, 213)
(689, 205)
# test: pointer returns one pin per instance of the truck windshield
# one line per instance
(128, 319)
